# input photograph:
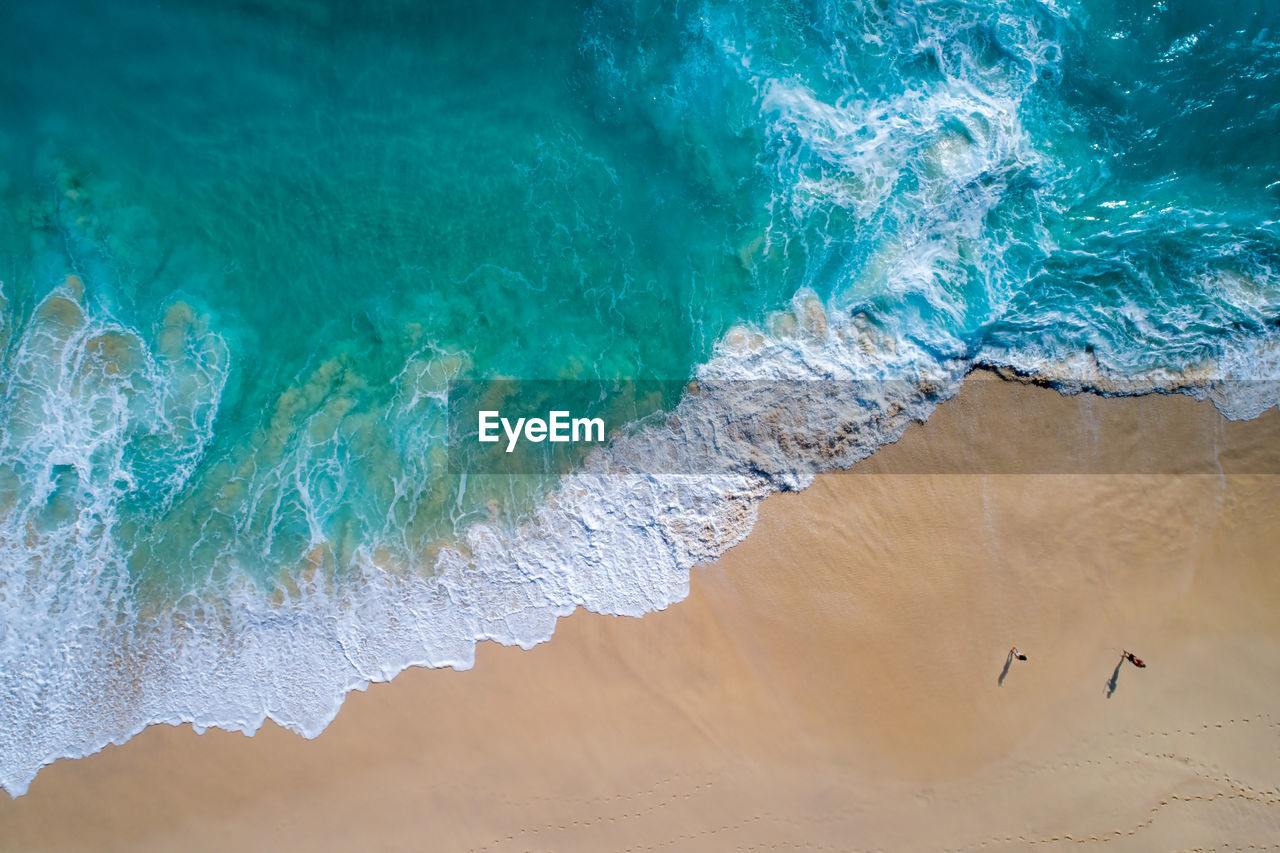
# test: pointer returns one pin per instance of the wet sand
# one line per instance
(835, 682)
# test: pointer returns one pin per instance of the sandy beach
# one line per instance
(836, 682)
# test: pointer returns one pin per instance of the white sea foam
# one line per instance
(86, 407)
(616, 537)
(1242, 379)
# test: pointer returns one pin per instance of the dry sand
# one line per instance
(833, 683)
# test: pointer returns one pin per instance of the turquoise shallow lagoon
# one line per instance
(247, 249)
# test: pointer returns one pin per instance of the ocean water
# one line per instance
(247, 249)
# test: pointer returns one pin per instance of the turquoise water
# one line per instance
(247, 248)
(343, 197)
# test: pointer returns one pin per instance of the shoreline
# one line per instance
(832, 680)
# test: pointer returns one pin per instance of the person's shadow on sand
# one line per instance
(1114, 680)
(1004, 673)
(1125, 655)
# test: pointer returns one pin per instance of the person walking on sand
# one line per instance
(1133, 659)
(1017, 654)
